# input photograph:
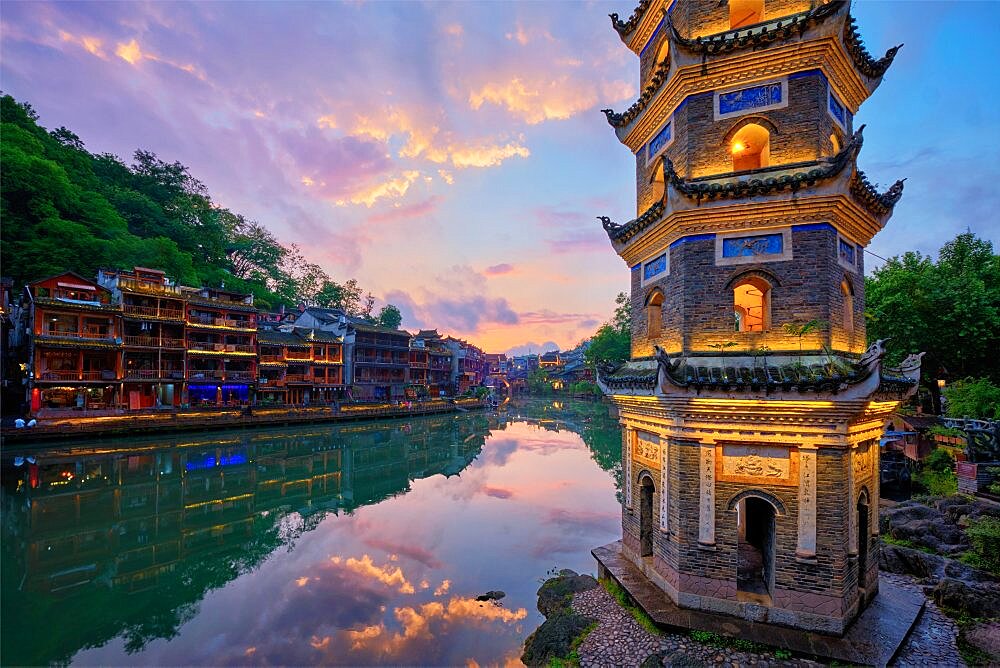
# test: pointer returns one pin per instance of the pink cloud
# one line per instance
(499, 269)
(407, 211)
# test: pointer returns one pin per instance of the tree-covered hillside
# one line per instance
(64, 208)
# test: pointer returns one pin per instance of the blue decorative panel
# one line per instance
(847, 253)
(654, 267)
(837, 110)
(750, 98)
(764, 244)
(657, 143)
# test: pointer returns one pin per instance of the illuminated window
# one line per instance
(663, 54)
(745, 12)
(847, 292)
(835, 143)
(654, 314)
(751, 304)
(751, 148)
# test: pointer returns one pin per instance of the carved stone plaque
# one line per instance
(646, 449)
(767, 464)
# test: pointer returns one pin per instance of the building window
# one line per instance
(847, 292)
(847, 253)
(654, 314)
(751, 304)
(745, 12)
(835, 143)
(751, 148)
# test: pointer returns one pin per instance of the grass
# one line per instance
(973, 656)
(902, 542)
(715, 640)
(625, 601)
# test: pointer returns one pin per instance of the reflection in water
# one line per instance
(348, 544)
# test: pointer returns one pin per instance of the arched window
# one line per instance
(663, 53)
(657, 182)
(745, 12)
(654, 314)
(835, 143)
(847, 293)
(751, 148)
(752, 304)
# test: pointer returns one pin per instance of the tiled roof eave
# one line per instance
(865, 63)
(758, 35)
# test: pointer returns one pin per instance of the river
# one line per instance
(350, 544)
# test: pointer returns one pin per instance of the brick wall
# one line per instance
(699, 301)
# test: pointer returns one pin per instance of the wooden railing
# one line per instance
(206, 374)
(272, 358)
(152, 312)
(221, 322)
(147, 287)
(77, 375)
(90, 334)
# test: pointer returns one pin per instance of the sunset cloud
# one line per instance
(387, 575)
(499, 269)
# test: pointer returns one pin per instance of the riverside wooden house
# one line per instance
(153, 344)
(221, 342)
(75, 344)
(751, 455)
(381, 362)
(300, 367)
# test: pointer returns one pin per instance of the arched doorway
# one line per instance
(755, 549)
(863, 531)
(751, 304)
(646, 490)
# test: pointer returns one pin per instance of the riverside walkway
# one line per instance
(76, 427)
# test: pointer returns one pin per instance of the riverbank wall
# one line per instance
(84, 427)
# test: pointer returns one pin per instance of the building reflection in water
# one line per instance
(142, 530)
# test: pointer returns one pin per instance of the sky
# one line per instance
(451, 157)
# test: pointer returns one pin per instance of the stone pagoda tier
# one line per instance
(752, 406)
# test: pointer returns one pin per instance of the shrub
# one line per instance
(974, 398)
(939, 460)
(984, 534)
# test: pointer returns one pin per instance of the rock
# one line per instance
(985, 637)
(654, 660)
(680, 659)
(491, 596)
(554, 638)
(926, 526)
(557, 593)
(908, 561)
(977, 599)
(960, 571)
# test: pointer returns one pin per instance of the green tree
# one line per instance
(613, 340)
(949, 309)
(973, 398)
(390, 317)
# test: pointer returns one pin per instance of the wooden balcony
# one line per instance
(272, 359)
(154, 374)
(225, 323)
(202, 346)
(153, 312)
(69, 376)
(153, 342)
(90, 334)
(147, 287)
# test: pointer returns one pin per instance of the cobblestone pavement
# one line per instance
(619, 640)
(932, 640)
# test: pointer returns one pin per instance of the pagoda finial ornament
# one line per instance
(750, 449)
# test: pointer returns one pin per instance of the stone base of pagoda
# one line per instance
(873, 638)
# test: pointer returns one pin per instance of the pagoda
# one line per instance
(752, 407)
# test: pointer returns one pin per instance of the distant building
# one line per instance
(549, 360)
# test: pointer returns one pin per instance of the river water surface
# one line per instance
(349, 544)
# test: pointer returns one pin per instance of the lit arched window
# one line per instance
(657, 182)
(751, 148)
(745, 12)
(663, 53)
(835, 143)
(654, 314)
(752, 304)
(847, 292)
